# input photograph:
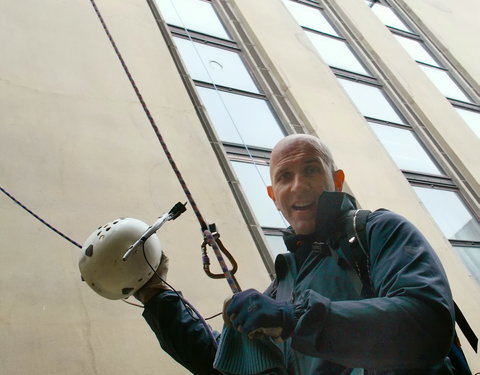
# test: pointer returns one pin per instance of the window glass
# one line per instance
(254, 180)
(444, 83)
(471, 257)
(309, 17)
(471, 118)
(336, 53)
(416, 50)
(404, 148)
(195, 15)
(450, 213)
(215, 65)
(370, 101)
(389, 18)
(241, 119)
(276, 244)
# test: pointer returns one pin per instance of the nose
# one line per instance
(298, 183)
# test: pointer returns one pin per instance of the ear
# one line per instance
(338, 179)
(270, 193)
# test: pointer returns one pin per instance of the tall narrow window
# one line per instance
(435, 189)
(429, 62)
(238, 111)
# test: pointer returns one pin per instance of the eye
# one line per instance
(284, 176)
(311, 170)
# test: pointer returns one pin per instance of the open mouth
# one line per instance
(303, 206)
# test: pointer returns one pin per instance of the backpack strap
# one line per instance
(465, 327)
(356, 251)
(354, 247)
(286, 270)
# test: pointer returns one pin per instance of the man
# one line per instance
(314, 310)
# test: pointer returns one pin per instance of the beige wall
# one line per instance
(77, 149)
(443, 19)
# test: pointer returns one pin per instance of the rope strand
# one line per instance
(230, 279)
(185, 188)
(39, 218)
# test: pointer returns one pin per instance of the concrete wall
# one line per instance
(443, 20)
(77, 149)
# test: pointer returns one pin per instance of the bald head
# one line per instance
(301, 169)
(299, 140)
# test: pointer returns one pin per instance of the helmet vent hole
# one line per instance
(89, 251)
(126, 290)
(108, 229)
(98, 234)
(115, 222)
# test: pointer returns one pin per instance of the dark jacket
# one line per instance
(405, 329)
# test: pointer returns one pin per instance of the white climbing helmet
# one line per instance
(101, 264)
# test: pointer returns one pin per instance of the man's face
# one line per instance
(299, 175)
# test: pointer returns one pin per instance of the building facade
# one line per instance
(392, 86)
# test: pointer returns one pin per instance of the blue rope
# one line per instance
(39, 218)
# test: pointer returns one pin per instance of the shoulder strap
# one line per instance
(285, 268)
(357, 255)
(465, 327)
(354, 247)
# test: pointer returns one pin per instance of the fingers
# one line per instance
(275, 333)
(242, 311)
(162, 268)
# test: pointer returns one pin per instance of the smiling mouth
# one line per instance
(303, 207)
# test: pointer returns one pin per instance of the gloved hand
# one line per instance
(155, 284)
(258, 315)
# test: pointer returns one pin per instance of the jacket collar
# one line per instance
(331, 207)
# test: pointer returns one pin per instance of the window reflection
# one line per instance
(450, 213)
(254, 180)
(336, 53)
(370, 101)
(241, 119)
(193, 15)
(309, 17)
(444, 83)
(215, 65)
(389, 18)
(471, 257)
(276, 245)
(471, 118)
(404, 148)
(416, 50)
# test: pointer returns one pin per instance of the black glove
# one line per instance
(258, 315)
